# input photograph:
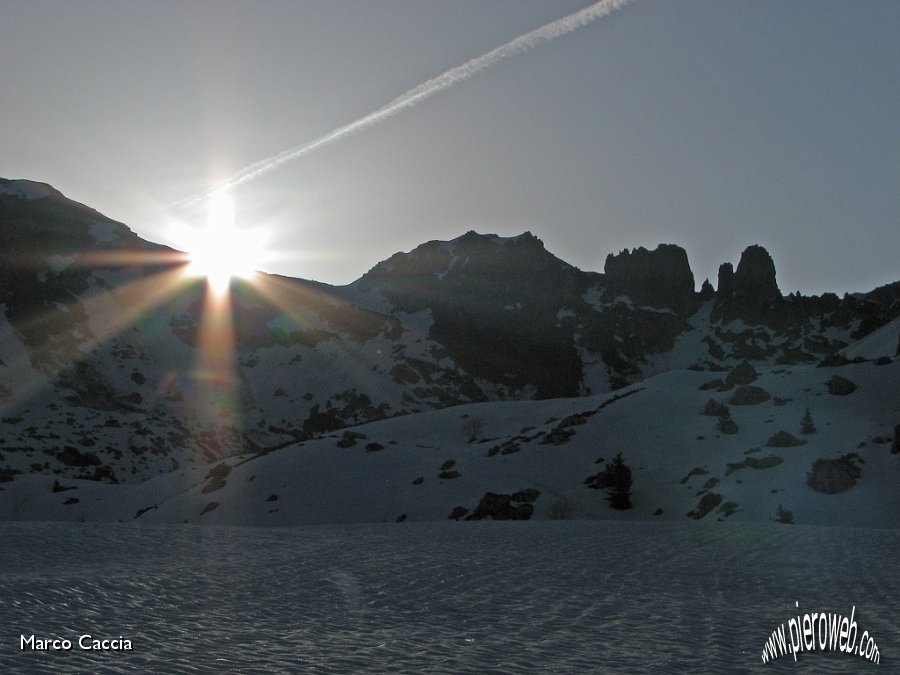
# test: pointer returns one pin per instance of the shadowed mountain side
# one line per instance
(108, 348)
(495, 304)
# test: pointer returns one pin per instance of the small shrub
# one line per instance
(726, 424)
(619, 492)
(784, 516)
(560, 510)
(806, 424)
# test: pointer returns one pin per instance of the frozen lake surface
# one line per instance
(487, 597)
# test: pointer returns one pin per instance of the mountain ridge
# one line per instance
(108, 374)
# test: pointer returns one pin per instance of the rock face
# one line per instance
(477, 318)
(658, 278)
(494, 301)
(751, 291)
(754, 280)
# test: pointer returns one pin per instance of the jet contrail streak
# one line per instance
(523, 43)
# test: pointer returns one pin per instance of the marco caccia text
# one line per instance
(83, 642)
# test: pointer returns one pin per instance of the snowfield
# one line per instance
(488, 597)
(421, 467)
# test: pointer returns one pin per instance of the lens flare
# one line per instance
(222, 250)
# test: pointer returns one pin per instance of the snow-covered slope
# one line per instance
(115, 367)
(883, 342)
(423, 466)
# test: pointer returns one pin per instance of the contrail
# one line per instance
(519, 45)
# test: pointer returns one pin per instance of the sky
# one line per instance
(709, 124)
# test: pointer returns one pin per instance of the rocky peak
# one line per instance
(750, 291)
(494, 303)
(754, 279)
(486, 257)
(659, 278)
(725, 285)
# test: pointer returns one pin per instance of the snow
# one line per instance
(419, 323)
(882, 342)
(594, 297)
(25, 189)
(60, 262)
(657, 425)
(105, 231)
(499, 597)
(18, 376)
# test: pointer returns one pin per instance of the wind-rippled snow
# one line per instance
(489, 597)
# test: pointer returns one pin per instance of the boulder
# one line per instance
(749, 395)
(501, 507)
(783, 439)
(833, 475)
(840, 386)
(744, 373)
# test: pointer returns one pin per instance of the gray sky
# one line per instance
(712, 125)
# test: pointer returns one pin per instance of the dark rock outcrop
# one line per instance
(783, 439)
(494, 301)
(833, 475)
(658, 278)
(754, 279)
(743, 373)
(840, 386)
(750, 292)
(749, 395)
(501, 507)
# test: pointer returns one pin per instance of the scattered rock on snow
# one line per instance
(840, 386)
(748, 395)
(783, 439)
(501, 507)
(707, 503)
(742, 374)
(458, 512)
(834, 475)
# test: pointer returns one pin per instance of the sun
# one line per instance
(222, 251)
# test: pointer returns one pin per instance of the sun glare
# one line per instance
(222, 251)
